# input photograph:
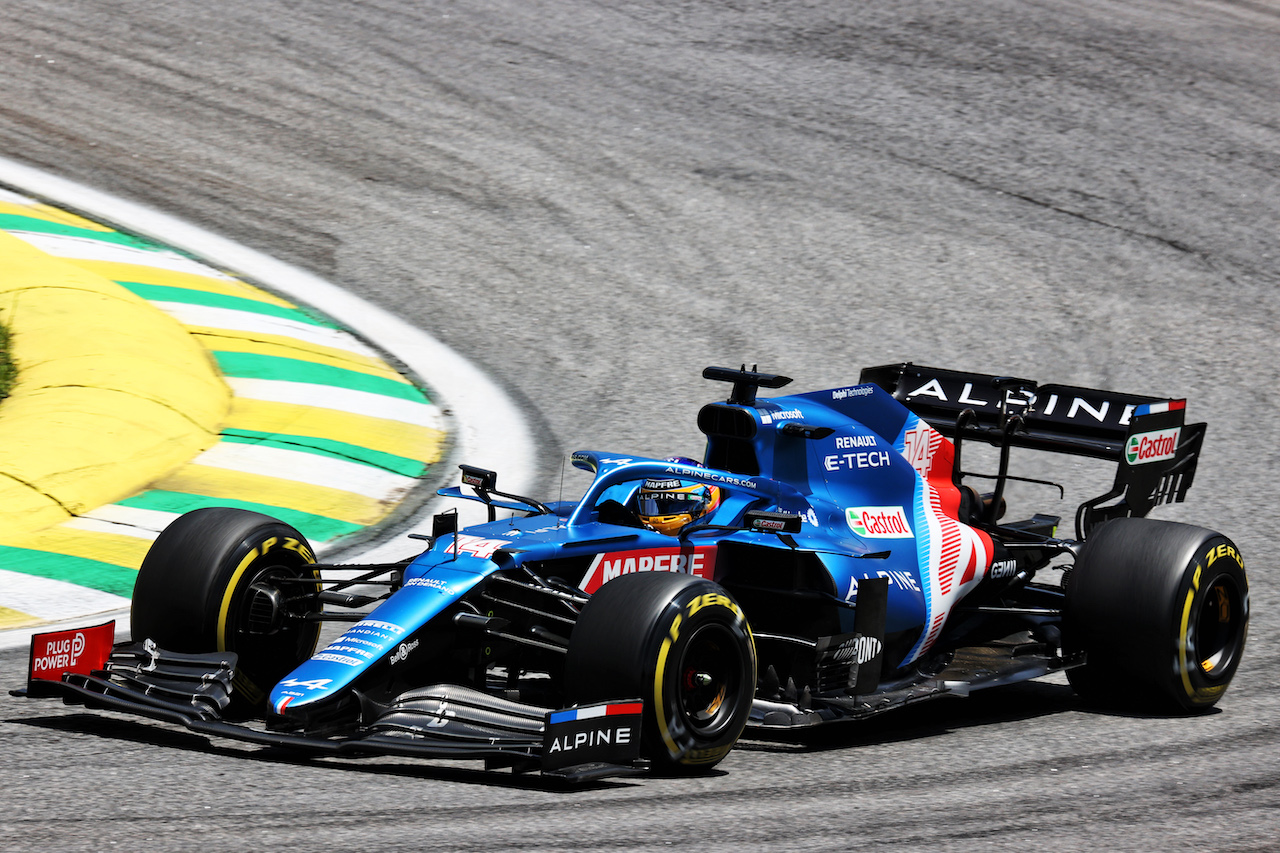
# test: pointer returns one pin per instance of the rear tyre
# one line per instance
(1161, 611)
(679, 643)
(215, 580)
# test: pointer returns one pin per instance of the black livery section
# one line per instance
(1009, 412)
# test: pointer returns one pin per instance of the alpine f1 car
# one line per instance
(828, 560)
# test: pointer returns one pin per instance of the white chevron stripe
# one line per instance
(87, 249)
(265, 324)
(126, 520)
(303, 467)
(342, 399)
(52, 599)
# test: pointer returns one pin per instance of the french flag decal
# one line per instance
(1157, 408)
(595, 711)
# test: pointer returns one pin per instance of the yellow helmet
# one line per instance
(667, 506)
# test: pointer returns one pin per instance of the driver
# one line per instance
(668, 506)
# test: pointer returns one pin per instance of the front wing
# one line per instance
(445, 721)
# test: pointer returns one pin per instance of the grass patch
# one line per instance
(8, 371)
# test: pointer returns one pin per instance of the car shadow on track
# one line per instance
(156, 734)
(1013, 703)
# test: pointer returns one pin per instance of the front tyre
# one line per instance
(223, 579)
(1161, 611)
(682, 645)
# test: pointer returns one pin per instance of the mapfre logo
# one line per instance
(1152, 446)
(878, 522)
(693, 561)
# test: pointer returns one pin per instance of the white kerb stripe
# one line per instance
(94, 525)
(144, 519)
(303, 467)
(342, 399)
(53, 599)
(266, 324)
(14, 198)
(86, 249)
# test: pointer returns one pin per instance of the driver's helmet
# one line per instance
(668, 505)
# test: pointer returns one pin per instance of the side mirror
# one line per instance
(479, 478)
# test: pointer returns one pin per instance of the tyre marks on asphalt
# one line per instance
(320, 430)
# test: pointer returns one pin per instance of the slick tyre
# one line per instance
(1161, 611)
(218, 579)
(682, 645)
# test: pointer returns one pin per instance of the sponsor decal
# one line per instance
(854, 461)
(663, 485)
(704, 474)
(811, 517)
(1002, 569)
(403, 652)
(858, 650)
(343, 659)
(784, 415)
(380, 626)
(1223, 550)
(340, 645)
(599, 733)
(933, 388)
(80, 650)
(1152, 446)
(591, 737)
(855, 391)
(699, 561)
(431, 583)
(902, 580)
(848, 442)
(1047, 404)
(383, 636)
(312, 684)
(477, 546)
(878, 522)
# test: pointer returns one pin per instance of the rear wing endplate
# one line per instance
(1156, 452)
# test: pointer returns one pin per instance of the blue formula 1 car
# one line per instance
(828, 560)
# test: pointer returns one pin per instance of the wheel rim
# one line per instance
(1217, 637)
(290, 641)
(710, 676)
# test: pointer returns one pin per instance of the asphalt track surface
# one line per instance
(594, 200)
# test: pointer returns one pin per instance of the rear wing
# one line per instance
(1156, 452)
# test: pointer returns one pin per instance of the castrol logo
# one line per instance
(878, 522)
(1152, 446)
